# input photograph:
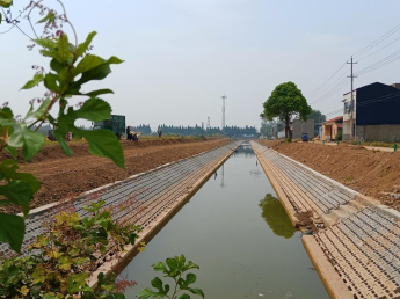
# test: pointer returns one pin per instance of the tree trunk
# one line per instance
(287, 126)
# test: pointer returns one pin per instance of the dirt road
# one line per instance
(363, 170)
(63, 176)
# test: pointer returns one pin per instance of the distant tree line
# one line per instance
(144, 129)
(197, 130)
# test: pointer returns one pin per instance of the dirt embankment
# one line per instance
(366, 171)
(65, 176)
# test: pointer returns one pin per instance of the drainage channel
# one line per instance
(239, 234)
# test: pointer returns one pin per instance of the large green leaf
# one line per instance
(184, 296)
(6, 3)
(160, 266)
(50, 82)
(31, 142)
(12, 230)
(104, 143)
(6, 113)
(34, 82)
(83, 47)
(64, 54)
(114, 60)
(98, 73)
(8, 169)
(56, 65)
(98, 92)
(60, 135)
(184, 283)
(11, 150)
(18, 193)
(172, 264)
(94, 110)
(149, 293)
(45, 43)
(87, 63)
(190, 265)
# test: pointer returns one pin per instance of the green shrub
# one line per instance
(174, 269)
(339, 135)
(61, 260)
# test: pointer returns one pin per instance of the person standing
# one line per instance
(159, 133)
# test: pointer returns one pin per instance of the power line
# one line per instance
(384, 61)
(323, 84)
(343, 83)
(377, 41)
(384, 47)
(333, 84)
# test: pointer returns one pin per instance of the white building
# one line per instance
(347, 113)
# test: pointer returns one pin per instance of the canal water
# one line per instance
(236, 230)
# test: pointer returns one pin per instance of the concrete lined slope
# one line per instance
(360, 249)
(143, 196)
(364, 250)
(69, 176)
(306, 189)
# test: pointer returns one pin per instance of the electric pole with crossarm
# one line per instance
(352, 104)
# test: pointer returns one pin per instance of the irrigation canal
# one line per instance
(239, 234)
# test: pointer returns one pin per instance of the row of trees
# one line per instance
(194, 130)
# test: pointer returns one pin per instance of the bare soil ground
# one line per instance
(66, 176)
(368, 172)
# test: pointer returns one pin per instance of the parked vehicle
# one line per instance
(115, 123)
(305, 137)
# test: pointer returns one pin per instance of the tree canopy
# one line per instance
(286, 101)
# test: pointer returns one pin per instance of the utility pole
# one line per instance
(352, 106)
(209, 123)
(224, 97)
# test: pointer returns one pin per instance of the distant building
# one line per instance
(331, 127)
(299, 127)
(376, 115)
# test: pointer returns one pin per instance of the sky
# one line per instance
(182, 55)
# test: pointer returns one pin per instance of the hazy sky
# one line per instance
(182, 55)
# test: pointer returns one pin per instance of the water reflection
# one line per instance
(222, 184)
(244, 150)
(276, 217)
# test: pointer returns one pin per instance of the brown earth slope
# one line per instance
(63, 176)
(365, 171)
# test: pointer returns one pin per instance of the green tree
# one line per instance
(318, 118)
(286, 101)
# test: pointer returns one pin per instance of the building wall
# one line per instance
(346, 103)
(379, 132)
(378, 104)
(300, 127)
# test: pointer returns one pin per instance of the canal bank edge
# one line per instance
(327, 273)
(334, 285)
(120, 261)
(278, 190)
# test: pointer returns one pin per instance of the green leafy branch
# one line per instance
(173, 268)
(70, 67)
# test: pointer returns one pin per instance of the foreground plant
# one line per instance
(71, 66)
(173, 268)
(60, 261)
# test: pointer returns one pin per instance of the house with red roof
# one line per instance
(331, 127)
